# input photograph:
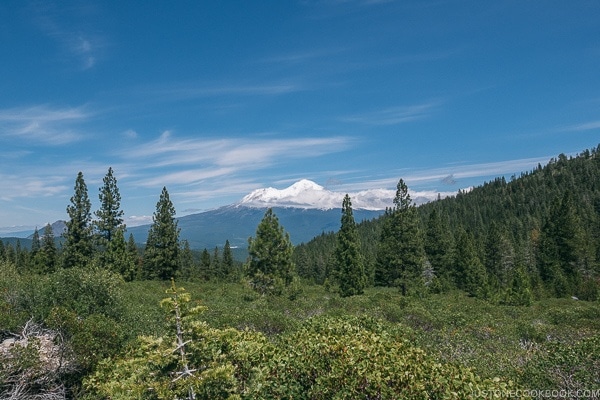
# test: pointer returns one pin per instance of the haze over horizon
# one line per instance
(217, 99)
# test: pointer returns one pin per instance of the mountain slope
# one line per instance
(237, 223)
(513, 225)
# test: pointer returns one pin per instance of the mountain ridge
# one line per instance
(237, 223)
(305, 210)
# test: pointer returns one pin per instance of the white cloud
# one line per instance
(190, 90)
(130, 134)
(414, 177)
(587, 126)
(74, 39)
(42, 124)
(136, 220)
(392, 115)
(238, 153)
(18, 186)
(184, 177)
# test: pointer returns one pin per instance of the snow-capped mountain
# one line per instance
(307, 194)
(305, 209)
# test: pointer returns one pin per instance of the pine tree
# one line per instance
(519, 291)
(43, 251)
(439, 247)
(228, 263)
(499, 256)
(400, 253)
(187, 266)
(162, 246)
(470, 271)
(118, 258)
(350, 270)
(134, 255)
(48, 252)
(205, 271)
(562, 248)
(78, 246)
(215, 264)
(110, 215)
(21, 257)
(36, 244)
(270, 264)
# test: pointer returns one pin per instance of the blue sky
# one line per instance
(216, 99)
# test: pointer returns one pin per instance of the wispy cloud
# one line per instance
(169, 160)
(450, 175)
(586, 126)
(392, 115)
(42, 124)
(185, 177)
(179, 91)
(14, 186)
(75, 40)
(302, 56)
(168, 150)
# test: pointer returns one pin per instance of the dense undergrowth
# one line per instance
(276, 347)
(495, 340)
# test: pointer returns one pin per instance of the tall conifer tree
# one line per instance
(161, 256)
(228, 263)
(562, 248)
(78, 247)
(118, 258)
(470, 271)
(350, 268)
(35, 242)
(48, 253)
(270, 255)
(400, 253)
(205, 264)
(110, 215)
(187, 267)
(439, 246)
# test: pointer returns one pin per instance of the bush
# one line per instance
(11, 315)
(348, 358)
(326, 358)
(564, 366)
(87, 291)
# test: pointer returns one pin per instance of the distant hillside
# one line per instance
(238, 223)
(24, 243)
(58, 228)
(508, 221)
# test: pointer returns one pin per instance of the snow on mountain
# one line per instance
(302, 194)
(308, 194)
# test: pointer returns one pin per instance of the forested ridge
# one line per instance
(544, 224)
(410, 305)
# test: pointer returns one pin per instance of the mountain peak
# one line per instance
(302, 194)
(303, 185)
(308, 194)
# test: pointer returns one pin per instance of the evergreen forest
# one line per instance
(492, 293)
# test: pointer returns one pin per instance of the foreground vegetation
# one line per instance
(117, 341)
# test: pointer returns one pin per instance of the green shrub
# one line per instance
(349, 358)
(87, 291)
(564, 366)
(11, 315)
(326, 358)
